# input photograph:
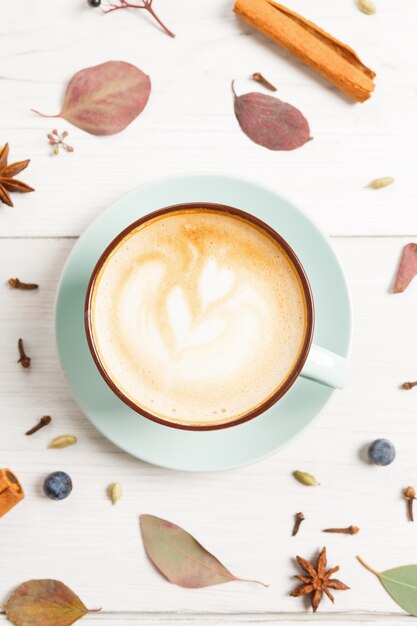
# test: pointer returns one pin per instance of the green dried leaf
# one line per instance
(400, 583)
(180, 558)
(44, 603)
(63, 441)
(115, 491)
(305, 479)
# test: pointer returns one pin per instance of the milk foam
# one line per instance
(198, 316)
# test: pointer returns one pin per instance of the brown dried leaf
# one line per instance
(407, 268)
(270, 122)
(44, 603)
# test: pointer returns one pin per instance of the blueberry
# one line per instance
(94, 3)
(57, 485)
(381, 452)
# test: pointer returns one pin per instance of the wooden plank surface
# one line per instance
(244, 516)
(189, 124)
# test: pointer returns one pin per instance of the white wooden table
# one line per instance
(244, 516)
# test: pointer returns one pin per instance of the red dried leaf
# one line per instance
(407, 269)
(270, 122)
(44, 603)
(104, 99)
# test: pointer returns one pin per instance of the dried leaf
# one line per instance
(44, 603)
(407, 268)
(104, 99)
(180, 558)
(305, 478)
(380, 183)
(63, 441)
(270, 122)
(400, 583)
(115, 491)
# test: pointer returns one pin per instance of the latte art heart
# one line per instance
(198, 316)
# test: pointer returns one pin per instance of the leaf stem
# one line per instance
(233, 88)
(366, 566)
(44, 114)
(250, 580)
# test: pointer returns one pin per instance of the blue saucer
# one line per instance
(212, 450)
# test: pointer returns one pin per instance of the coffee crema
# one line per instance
(198, 316)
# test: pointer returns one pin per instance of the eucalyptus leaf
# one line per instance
(400, 583)
(269, 122)
(104, 99)
(180, 558)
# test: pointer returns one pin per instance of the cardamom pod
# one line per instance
(367, 6)
(379, 183)
(115, 491)
(63, 441)
(305, 479)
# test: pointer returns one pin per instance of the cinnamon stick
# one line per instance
(312, 45)
(11, 491)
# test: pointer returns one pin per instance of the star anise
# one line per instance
(318, 580)
(7, 173)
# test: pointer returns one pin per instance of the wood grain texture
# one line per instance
(188, 619)
(244, 516)
(189, 122)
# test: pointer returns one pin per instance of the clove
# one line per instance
(44, 421)
(409, 385)
(350, 530)
(298, 519)
(410, 496)
(24, 359)
(18, 284)
(262, 80)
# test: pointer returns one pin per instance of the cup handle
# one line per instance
(326, 367)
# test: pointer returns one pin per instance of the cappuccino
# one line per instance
(198, 316)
